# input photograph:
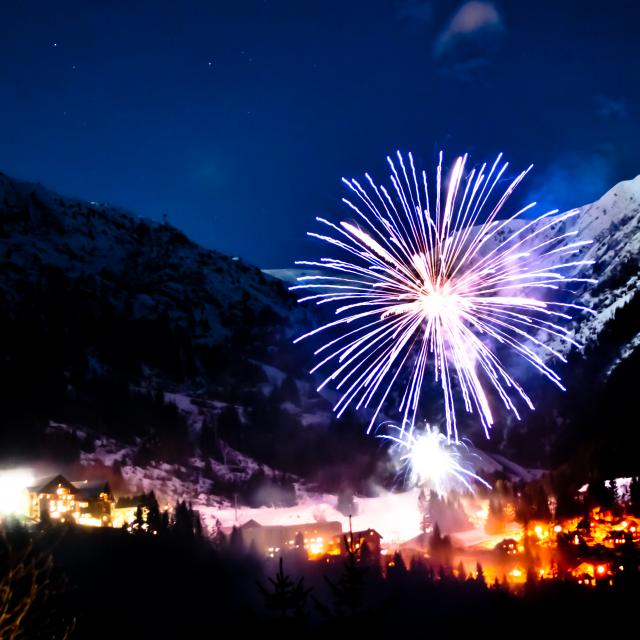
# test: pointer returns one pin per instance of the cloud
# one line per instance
(608, 107)
(471, 38)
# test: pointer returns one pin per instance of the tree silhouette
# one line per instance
(348, 591)
(236, 539)
(480, 579)
(286, 598)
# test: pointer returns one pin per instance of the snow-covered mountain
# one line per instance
(122, 328)
(612, 224)
(177, 356)
(153, 265)
(608, 365)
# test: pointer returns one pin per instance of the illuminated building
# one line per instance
(358, 541)
(60, 500)
(126, 508)
(508, 547)
(589, 572)
(273, 540)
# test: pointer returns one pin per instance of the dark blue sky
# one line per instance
(237, 119)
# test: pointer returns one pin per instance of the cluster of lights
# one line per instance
(315, 546)
(588, 573)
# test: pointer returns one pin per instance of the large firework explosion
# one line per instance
(436, 276)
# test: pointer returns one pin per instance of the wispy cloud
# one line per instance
(611, 108)
(470, 39)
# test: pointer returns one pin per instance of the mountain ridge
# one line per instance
(107, 319)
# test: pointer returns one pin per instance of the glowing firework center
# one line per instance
(430, 461)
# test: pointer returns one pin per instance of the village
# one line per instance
(592, 549)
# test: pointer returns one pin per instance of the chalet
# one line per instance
(271, 540)
(95, 501)
(363, 543)
(83, 502)
(126, 509)
(590, 571)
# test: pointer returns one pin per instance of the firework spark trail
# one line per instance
(436, 284)
(429, 460)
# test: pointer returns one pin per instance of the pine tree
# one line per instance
(480, 579)
(138, 520)
(348, 591)
(236, 540)
(154, 519)
(218, 538)
(615, 491)
(183, 523)
(542, 504)
(285, 597)
(398, 567)
(165, 520)
(197, 524)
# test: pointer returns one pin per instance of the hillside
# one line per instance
(129, 349)
(118, 327)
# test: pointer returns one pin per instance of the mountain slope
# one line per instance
(124, 331)
(155, 267)
(120, 327)
(612, 224)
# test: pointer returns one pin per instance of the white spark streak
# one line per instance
(422, 287)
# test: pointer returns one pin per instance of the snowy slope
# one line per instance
(161, 268)
(613, 225)
(131, 268)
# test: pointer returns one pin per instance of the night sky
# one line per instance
(237, 119)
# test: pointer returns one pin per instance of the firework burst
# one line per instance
(429, 460)
(435, 278)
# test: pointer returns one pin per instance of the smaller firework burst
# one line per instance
(429, 460)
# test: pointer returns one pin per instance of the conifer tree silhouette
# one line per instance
(286, 598)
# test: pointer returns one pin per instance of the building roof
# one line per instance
(49, 484)
(365, 533)
(299, 526)
(91, 488)
(83, 488)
